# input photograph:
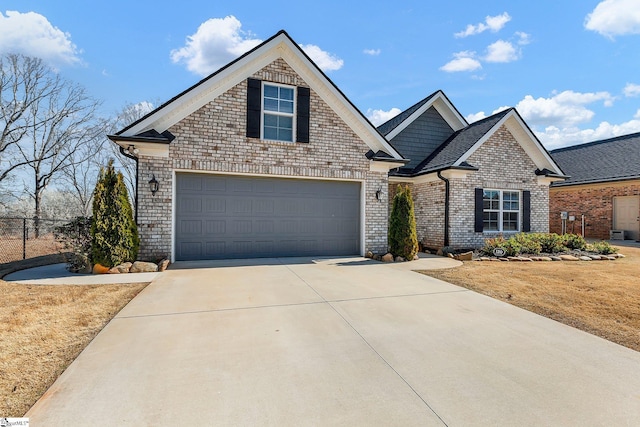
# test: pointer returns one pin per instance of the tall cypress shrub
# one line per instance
(114, 232)
(403, 238)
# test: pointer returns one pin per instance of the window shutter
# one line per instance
(254, 103)
(526, 211)
(479, 223)
(302, 118)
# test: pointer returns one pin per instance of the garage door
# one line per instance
(224, 216)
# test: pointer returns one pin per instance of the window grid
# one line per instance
(501, 210)
(278, 108)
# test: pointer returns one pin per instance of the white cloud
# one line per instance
(492, 23)
(615, 18)
(378, 117)
(216, 42)
(464, 61)
(631, 90)
(219, 41)
(523, 38)
(637, 115)
(553, 137)
(474, 117)
(32, 34)
(564, 109)
(325, 60)
(372, 52)
(502, 51)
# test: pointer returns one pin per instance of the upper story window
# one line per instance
(278, 109)
(501, 210)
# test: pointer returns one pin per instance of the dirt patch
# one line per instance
(599, 297)
(43, 329)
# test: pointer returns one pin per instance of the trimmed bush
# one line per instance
(551, 243)
(574, 241)
(510, 246)
(403, 238)
(529, 243)
(602, 248)
(114, 233)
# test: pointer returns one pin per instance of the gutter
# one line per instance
(124, 153)
(446, 208)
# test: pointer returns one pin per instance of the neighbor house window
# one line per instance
(501, 210)
(277, 112)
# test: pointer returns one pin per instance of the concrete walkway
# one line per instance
(57, 274)
(336, 342)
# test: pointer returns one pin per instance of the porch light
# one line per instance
(154, 185)
(379, 194)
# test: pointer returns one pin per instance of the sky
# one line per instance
(571, 68)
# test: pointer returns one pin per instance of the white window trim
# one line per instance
(501, 210)
(277, 113)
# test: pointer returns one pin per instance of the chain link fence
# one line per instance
(22, 238)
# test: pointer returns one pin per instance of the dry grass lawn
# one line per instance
(43, 329)
(599, 297)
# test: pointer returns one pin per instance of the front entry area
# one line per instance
(626, 211)
(229, 216)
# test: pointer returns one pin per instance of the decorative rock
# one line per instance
(377, 257)
(524, 259)
(620, 256)
(369, 254)
(512, 258)
(416, 257)
(387, 257)
(122, 268)
(426, 251)
(595, 257)
(495, 259)
(485, 258)
(163, 265)
(569, 258)
(440, 253)
(466, 256)
(100, 269)
(545, 258)
(609, 257)
(585, 258)
(555, 258)
(400, 259)
(450, 255)
(504, 259)
(143, 267)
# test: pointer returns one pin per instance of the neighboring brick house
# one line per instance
(470, 181)
(604, 186)
(265, 157)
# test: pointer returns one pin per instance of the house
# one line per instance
(604, 186)
(265, 157)
(470, 181)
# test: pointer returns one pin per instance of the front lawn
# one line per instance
(599, 297)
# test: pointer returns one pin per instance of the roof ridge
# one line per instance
(597, 142)
(412, 108)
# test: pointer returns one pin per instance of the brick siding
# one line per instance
(594, 201)
(213, 139)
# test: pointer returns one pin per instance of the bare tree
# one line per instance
(48, 122)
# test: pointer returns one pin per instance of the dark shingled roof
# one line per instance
(614, 159)
(391, 124)
(458, 144)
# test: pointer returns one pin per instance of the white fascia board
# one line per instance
(523, 136)
(442, 106)
(152, 149)
(378, 166)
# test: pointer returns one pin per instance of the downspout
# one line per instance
(446, 208)
(126, 154)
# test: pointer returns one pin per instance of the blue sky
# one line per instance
(572, 68)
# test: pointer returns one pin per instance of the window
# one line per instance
(501, 210)
(277, 112)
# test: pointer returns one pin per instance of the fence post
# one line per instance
(24, 238)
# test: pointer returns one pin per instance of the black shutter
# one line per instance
(526, 211)
(302, 117)
(479, 223)
(254, 102)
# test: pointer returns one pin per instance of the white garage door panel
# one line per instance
(219, 216)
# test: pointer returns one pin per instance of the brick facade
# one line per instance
(213, 139)
(502, 165)
(594, 201)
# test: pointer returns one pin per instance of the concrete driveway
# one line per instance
(336, 342)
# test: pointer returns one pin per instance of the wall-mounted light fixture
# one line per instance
(133, 150)
(379, 194)
(154, 185)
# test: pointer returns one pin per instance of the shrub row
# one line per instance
(536, 243)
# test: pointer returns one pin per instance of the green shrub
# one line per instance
(603, 248)
(113, 230)
(574, 241)
(551, 243)
(76, 236)
(529, 243)
(510, 246)
(403, 238)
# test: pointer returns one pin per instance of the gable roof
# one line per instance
(281, 45)
(614, 159)
(455, 151)
(438, 100)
